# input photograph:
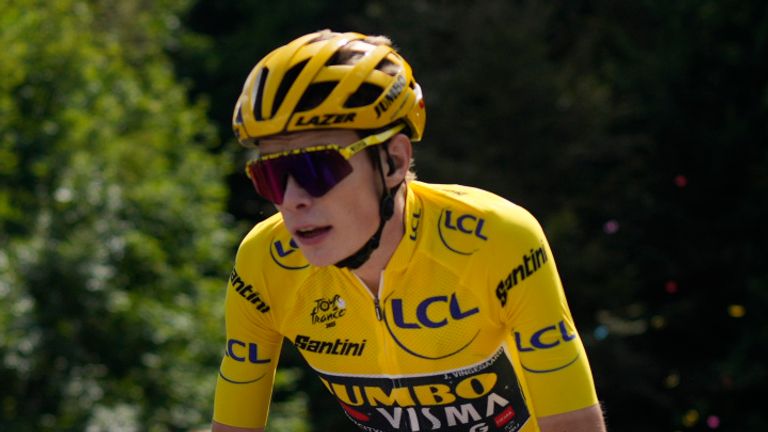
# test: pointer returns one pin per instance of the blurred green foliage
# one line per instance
(115, 246)
(637, 132)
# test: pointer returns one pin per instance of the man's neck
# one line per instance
(394, 229)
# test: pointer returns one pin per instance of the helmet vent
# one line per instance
(258, 94)
(365, 95)
(315, 95)
(337, 59)
(388, 66)
(285, 85)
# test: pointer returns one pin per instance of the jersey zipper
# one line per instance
(386, 355)
(376, 302)
(377, 307)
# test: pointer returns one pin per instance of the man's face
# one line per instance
(331, 227)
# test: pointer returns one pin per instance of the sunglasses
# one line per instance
(316, 169)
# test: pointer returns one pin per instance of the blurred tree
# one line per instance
(694, 77)
(114, 243)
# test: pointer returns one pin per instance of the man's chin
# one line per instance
(320, 259)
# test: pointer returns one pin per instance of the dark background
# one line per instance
(636, 132)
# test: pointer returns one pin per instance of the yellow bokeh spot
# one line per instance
(690, 418)
(737, 311)
(658, 322)
(672, 380)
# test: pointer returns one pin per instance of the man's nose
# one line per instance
(295, 196)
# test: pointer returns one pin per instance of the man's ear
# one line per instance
(391, 167)
(397, 159)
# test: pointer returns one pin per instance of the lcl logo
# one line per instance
(558, 337)
(443, 316)
(461, 233)
(283, 250)
(423, 316)
(466, 223)
(244, 351)
(286, 254)
(545, 338)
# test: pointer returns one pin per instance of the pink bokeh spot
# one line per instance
(670, 287)
(611, 227)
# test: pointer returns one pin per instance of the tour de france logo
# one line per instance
(328, 310)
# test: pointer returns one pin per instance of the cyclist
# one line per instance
(419, 306)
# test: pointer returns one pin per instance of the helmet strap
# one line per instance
(386, 210)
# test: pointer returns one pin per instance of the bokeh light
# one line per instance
(681, 181)
(672, 380)
(737, 311)
(690, 418)
(611, 227)
(671, 287)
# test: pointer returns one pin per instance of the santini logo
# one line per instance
(338, 347)
(530, 264)
(247, 292)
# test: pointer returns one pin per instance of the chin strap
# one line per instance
(386, 210)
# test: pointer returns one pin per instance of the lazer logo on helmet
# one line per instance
(482, 397)
(391, 96)
(246, 291)
(325, 119)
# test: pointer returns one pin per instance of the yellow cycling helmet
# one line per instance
(305, 85)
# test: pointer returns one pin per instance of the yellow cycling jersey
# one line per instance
(470, 330)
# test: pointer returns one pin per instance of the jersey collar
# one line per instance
(413, 219)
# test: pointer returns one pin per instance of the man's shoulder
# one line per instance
(260, 233)
(460, 225)
(470, 203)
(269, 246)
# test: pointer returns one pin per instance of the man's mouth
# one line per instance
(309, 233)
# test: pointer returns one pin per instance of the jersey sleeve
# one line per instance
(534, 308)
(247, 371)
